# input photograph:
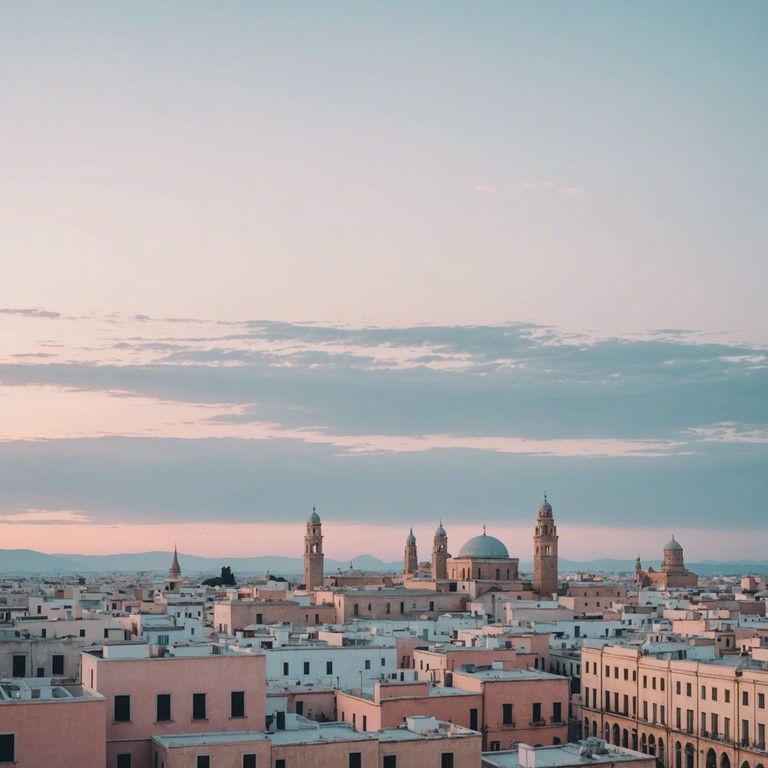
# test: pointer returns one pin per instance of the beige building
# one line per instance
(673, 573)
(687, 714)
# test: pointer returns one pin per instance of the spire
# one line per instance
(175, 570)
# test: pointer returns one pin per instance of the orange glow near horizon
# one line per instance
(67, 532)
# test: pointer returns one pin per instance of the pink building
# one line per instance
(194, 691)
(50, 725)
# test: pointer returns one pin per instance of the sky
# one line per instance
(407, 262)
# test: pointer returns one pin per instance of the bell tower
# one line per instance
(313, 552)
(440, 554)
(410, 559)
(545, 582)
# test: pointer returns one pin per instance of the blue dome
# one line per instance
(440, 531)
(411, 538)
(483, 546)
(314, 518)
(672, 544)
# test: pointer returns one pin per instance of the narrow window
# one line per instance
(122, 713)
(249, 761)
(7, 748)
(355, 760)
(506, 713)
(124, 760)
(57, 664)
(198, 706)
(163, 707)
(203, 761)
(446, 760)
(237, 704)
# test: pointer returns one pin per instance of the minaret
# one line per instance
(440, 554)
(411, 559)
(174, 572)
(545, 582)
(313, 552)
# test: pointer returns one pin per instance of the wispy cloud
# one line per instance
(485, 189)
(45, 517)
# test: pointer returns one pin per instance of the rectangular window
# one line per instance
(607, 671)
(506, 714)
(122, 713)
(688, 689)
(727, 728)
(653, 682)
(616, 672)
(745, 698)
(237, 704)
(662, 715)
(124, 760)
(355, 760)
(82, 633)
(536, 712)
(678, 688)
(389, 761)
(557, 713)
(703, 692)
(306, 667)
(286, 668)
(328, 667)
(645, 681)
(727, 696)
(367, 663)
(7, 748)
(163, 639)
(661, 683)
(57, 664)
(163, 707)
(626, 674)
(203, 761)
(714, 694)
(198, 706)
(761, 701)
(446, 760)
(19, 665)
(249, 761)
(280, 763)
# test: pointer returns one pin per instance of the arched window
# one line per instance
(678, 755)
(725, 761)
(616, 734)
(607, 735)
(660, 751)
(643, 744)
(594, 727)
(689, 755)
(625, 739)
(652, 745)
(711, 759)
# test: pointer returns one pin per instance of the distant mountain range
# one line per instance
(25, 562)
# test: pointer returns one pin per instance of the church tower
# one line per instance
(411, 559)
(545, 581)
(174, 572)
(440, 554)
(313, 552)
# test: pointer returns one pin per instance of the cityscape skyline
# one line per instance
(407, 262)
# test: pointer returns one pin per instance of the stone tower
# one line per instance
(673, 564)
(411, 559)
(545, 581)
(313, 552)
(440, 554)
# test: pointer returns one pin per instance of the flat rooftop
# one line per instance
(201, 739)
(323, 732)
(508, 674)
(560, 756)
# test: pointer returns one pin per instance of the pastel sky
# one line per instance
(405, 261)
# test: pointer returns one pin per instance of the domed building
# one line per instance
(483, 564)
(673, 573)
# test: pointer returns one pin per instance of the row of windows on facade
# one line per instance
(163, 713)
(306, 666)
(679, 686)
(710, 721)
(650, 746)
(250, 760)
(20, 665)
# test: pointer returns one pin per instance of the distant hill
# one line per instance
(25, 562)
